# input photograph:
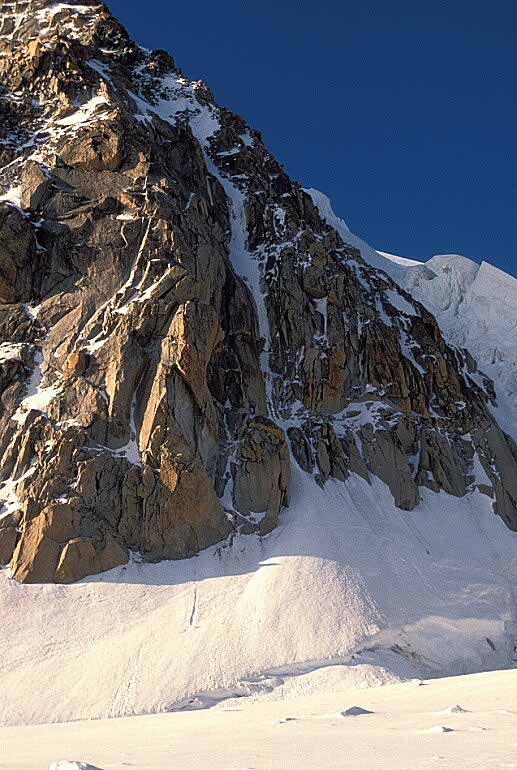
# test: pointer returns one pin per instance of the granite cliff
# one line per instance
(179, 324)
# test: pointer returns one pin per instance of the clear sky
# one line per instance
(403, 112)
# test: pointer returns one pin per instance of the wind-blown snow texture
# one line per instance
(349, 589)
(465, 723)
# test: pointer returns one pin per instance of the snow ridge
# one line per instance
(474, 304)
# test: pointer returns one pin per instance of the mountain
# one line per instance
(198, 368)
(475, 305)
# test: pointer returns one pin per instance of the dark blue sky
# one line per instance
(404, 113)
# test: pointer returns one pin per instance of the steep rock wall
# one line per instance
(176, 317)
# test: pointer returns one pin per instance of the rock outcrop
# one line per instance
(177, 322)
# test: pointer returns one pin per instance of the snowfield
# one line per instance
(349, 591)
(465, 723)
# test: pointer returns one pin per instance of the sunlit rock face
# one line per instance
(178, 324)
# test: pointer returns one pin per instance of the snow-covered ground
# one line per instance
(349, 591)
(466, 723)
(475, 305)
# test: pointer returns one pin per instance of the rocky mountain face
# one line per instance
(178, 324)
(475, 306)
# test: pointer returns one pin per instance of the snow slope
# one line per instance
(475, 305)
(406, 727)
(429, 593)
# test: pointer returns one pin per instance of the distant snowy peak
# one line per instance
(464, 269)
(475, 305)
